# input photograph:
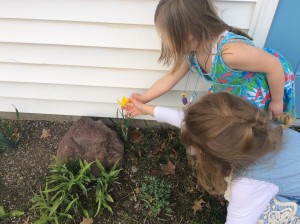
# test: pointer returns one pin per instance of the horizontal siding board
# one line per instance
(81, 76)
(63, 108)
(104, 11)
(66, 107)
(80, 56)
(79, 34)
(76, 93)
(109, 11)
(105, 35)
(76, 57)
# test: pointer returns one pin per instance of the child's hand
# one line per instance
(134, 108)
(275, 108)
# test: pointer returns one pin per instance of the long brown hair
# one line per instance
(229, 134)
(177, 19)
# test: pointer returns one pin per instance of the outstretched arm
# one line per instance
(163, 85)
(161, 114)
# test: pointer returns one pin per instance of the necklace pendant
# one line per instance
(184, 99)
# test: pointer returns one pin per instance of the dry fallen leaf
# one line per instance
(162, 146)
(45, 133)
(139, 154)
(173, 154)
(190, 190)
(87, 221)
(198, 205)
(137, 135)
(134, 169)
(136, 205)
(154, 172)
(137, 190)
(159, 149)
(27, 220)
(168, 168)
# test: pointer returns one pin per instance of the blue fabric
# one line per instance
(251, 86)
(281, 168)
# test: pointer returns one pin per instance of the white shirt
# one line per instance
(248, 198)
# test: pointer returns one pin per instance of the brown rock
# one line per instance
(90, 140)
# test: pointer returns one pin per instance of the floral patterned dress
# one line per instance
(252, 86)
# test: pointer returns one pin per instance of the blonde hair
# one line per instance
(177, 19)
(230, 134)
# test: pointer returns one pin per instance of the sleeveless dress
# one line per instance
(251, 86)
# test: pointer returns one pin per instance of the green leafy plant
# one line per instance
(4, 214)
(123, 124)
(156, 193)
(73, 191)
(10, 132)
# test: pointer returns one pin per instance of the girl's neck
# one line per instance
(204, 54)
(207, 46)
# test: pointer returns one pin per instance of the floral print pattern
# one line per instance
(279, 212)
(252, 86)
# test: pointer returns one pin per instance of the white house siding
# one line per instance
(76, 57)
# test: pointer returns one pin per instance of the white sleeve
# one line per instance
(248, 200)
(169, 115)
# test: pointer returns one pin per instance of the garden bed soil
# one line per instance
(23, 172)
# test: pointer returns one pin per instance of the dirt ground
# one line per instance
(24, 170)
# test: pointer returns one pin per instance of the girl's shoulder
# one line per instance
(231, 45)
(236, 54)
(230, 37)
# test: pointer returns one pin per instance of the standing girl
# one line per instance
(194, 38)
(240, 152)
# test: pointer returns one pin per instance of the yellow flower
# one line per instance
(123, 102)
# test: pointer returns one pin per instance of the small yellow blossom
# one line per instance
(123, 102)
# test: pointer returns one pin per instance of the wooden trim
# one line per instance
(262, 20)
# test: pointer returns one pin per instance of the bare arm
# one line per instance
(242, 56)
(135, 107)
(163, 85)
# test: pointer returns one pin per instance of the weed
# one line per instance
(169, 141)
(73, 191)
(137, 149)
(123, 124)
(4, 214)
(156, 193)
(10, 132)
(127, 217)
